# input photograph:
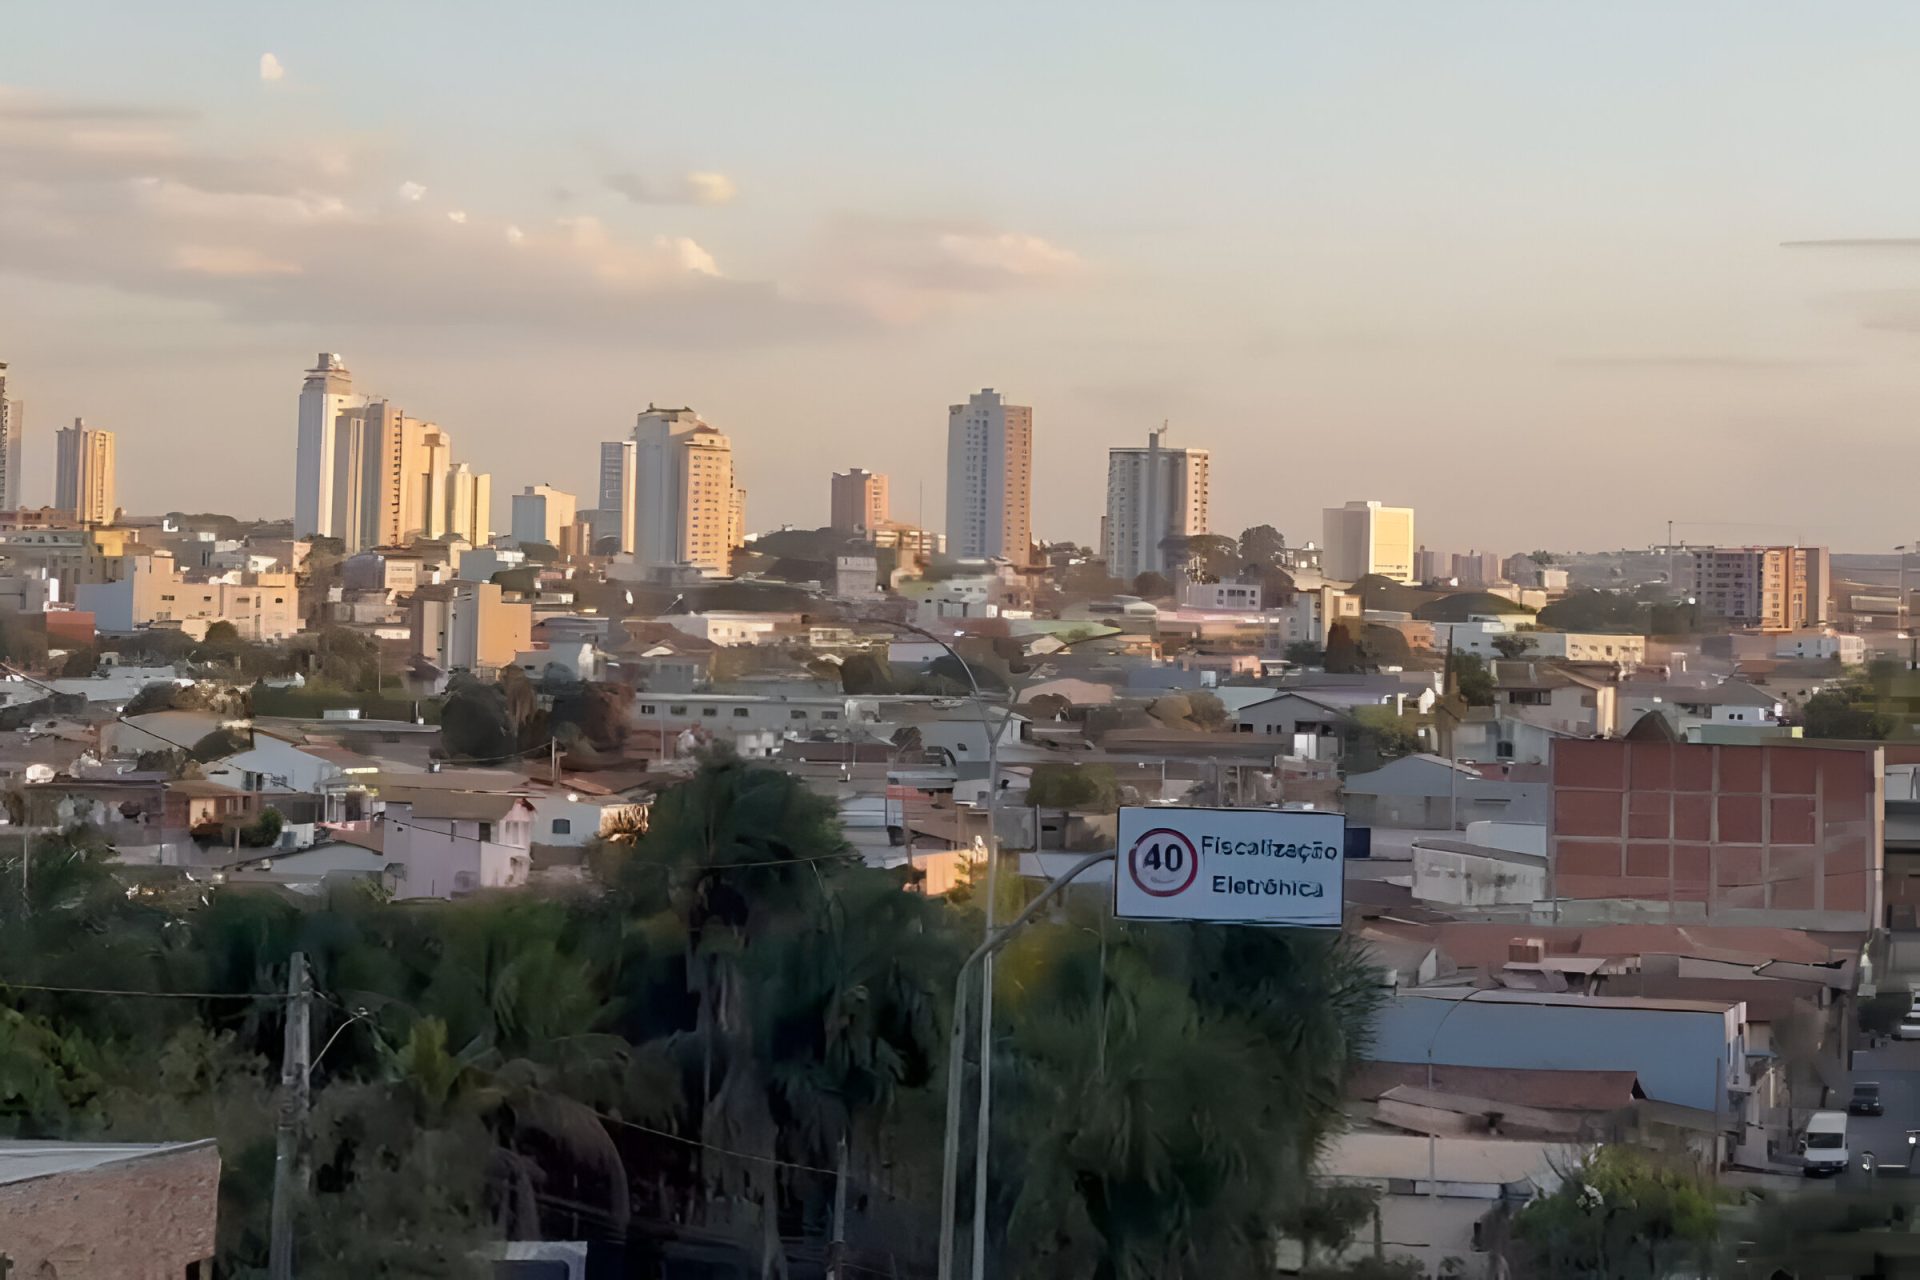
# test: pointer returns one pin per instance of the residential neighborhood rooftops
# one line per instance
(1482, 1161)
(458, 806)
(1527, 1087)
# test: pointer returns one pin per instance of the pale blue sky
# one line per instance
(1516, 264)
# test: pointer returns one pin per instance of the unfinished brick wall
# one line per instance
(145, 1219)
(1790, 832)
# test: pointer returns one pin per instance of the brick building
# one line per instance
(1788, 836)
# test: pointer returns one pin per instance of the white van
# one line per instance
(1824, 1146)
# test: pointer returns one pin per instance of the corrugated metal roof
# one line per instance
(24, 1161)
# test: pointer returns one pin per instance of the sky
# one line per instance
(1554, 275)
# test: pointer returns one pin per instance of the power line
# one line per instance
(161, 995)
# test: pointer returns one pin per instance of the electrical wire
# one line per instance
(6, 983)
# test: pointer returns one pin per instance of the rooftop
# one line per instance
(25, 1161)
(1484, 1161)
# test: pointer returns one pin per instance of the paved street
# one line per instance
(1896, 1065)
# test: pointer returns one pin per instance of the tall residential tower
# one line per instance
(990, 478)
(688, 508)
(326, 393)
(1364, 538)
(13, 425)
(83, 475)
(1153, 494)
(859, 501)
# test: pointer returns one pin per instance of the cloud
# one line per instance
(270, 69)
(905, 269)
(457, 216)
(411, 192)
(137, 201)
(707, 188)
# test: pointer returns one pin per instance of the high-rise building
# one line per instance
(1430, 565)
(13, 425)
(619, 473)
(390, 476)
(859, 501)
(990, 478)
(326, 393)
(1479, 569)
(1770, 588)
(469, 504)
(1364, 538)
(1153, 494)
(83, 476)
(542, 513)
(689, 511)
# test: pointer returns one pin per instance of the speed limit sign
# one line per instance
(1163, 862)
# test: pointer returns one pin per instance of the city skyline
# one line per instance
(1620, 296)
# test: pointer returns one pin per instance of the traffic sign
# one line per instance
(1252, 866)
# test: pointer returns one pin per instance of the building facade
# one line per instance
(83, 478)
(468, 626)
(1770, 588)
(13, 424)
(326, 393)
(859, 501)
(542, 513)
(619, 474)
(1365, 538)
(469, 505)
(688, 507)
(990, 478)
(1153, 495)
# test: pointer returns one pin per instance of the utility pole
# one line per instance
(837, 1251)
(289, 1160)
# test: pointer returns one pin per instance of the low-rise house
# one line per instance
(1426, 792)
(1460, 873)
(1554, 697)
(447, 844)
(277, 764)
(733, 628)
(1487, 735)
(1688, 707)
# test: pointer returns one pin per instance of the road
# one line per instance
(1896, 1065)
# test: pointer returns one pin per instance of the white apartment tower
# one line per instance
(859, 501)
(1153, 494)
(688, 511)
(1365, 538)
(990, 478)
(469, 504)
(83, 475)
(619, 473)
(326, 393)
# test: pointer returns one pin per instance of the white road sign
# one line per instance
(1253, 866)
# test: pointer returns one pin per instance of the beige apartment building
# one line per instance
(859, 501)
(1767, 588)
(1153, 495)
(690, 512)
(990, 478)
(1364, 538)
(468, 626)
(261, 606)
(83, 474)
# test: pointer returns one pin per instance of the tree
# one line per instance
(80, 663)
(1089, 788)
(220, 744)
(1512, 646)
(1385, 646)
(1304, 653)
(1152, 586)
(1203, 557)
(866, 673)
(1622, 1215)
(474, 724)
(1379, 735)
(221, 634)
(1839, 713)
(21, 642)
(1262, 545)
(1590, 610)
(1343, 655)
(264, 831)
(599, 713)
(1472, 680)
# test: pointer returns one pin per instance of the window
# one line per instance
(563, 826)
(486, 831)
(796, 715)
(829, 715)
(677, 711)
(740, 713)
(646, 709)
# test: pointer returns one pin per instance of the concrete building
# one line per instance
(1365, 538)
(389, 470)
(261, 606)
(466, 626)
(448, 844)
(909, 543)
(990, 478)
(1427, 793)
(469, 505)
(859, 501)
(1821, 645)
(1153, 495)
(1478, 569)
(1232, 596)
(107, 1210)
(76, 557)
(619, 476)
(542, 513)
(13, 426)
(689, 508)
(324, 395)
(83, 477)
(1769, 588)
